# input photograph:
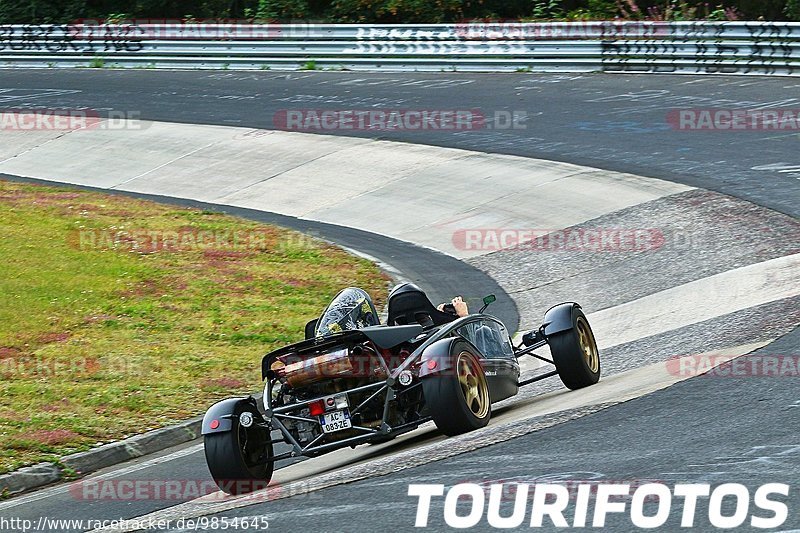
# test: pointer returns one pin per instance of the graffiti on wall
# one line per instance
(70, 38)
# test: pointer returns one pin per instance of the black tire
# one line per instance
(446, 399)
(575, 353)
(232, 458)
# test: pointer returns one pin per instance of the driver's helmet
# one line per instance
(351, 309)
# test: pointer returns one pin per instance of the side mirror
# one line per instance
(487, 300)
(311, 327)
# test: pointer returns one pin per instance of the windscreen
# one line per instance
(351, 309)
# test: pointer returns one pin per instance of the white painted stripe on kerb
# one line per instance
(697, 301)
(693, 302)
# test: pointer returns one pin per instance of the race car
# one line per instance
(355, 381)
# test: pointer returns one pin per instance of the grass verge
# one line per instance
(120, 315)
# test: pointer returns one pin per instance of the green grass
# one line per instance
(100, 340)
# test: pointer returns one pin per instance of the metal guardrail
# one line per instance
(683, 47)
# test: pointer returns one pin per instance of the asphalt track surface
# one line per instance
(614, 122)
(703, 429)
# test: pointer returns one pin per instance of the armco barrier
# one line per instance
(683, 47)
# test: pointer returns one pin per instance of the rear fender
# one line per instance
(558, 318)
(225, 411)
(439, 352)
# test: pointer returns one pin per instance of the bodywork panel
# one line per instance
(225, 411)
(558, 318)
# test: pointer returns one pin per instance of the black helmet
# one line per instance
(351, 309)
(404, 287)
(408, 304)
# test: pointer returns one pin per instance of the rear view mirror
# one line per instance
(311, 328)
(487, 300)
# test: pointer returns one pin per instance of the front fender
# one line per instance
(559, 318)
(225, 411)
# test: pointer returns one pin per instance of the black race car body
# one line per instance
(371, 384)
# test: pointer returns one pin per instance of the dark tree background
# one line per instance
(395, 11)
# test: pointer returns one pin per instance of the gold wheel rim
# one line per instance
(588, 344)
(473, 384)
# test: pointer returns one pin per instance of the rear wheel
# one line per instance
(237, 458)
(575, 353)
(458, 399)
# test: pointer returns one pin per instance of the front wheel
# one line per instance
(458, 398)
(237, 458)
(575, 353)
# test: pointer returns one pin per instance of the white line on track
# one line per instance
(159, 167)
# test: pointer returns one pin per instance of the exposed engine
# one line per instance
(326, 376)
(346, 364)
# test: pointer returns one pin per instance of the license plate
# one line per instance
(335, 421)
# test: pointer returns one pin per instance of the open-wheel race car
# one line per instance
(354, 381)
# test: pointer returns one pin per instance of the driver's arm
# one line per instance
(458, 304)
